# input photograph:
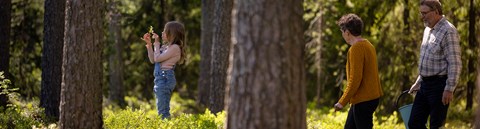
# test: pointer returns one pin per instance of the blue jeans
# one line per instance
(428, 102)
(164, 84)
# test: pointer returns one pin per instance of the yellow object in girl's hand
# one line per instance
(150, 30)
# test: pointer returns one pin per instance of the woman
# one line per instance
(165, 58)
(363, 84)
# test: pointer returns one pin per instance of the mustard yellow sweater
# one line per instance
(363, 83)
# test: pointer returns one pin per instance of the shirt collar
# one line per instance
(440, 23)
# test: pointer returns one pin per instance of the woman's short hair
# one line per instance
(352, 23)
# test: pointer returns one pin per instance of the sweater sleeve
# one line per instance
(355, 62)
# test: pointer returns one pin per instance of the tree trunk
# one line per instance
(406, 30)
(148, 87)
(5, 14)
(471, 60)
(81, 93)
(318, 58)
(117, 89)
(267, 77)
(477, 121)
(205, 52)
(220, 53)
(54, 24)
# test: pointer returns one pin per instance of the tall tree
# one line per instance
(5, 14)
(220, 53)
(477, 121)
(147, 94)
(81, 94)
(471, 59)
(117, 88)
(267, 77)
(316, 32)
(206, 52)
(54, 24)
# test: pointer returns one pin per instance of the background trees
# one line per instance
(267, 77)
(204, 82)
(221, 42)
(115, 61)
(5, 12)
(81, 99)
(394, 27)
(54, 26)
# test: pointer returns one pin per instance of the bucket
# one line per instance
(405, 109)
(405, 113)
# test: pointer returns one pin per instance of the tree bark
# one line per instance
(220, 53)
(54, 24)
(5, 14)
(471, 60)
(205, 52)
(81, 93)
(477, 121)
(147, 88)
(267, 77)
(318, 58)
(117, 88)
(476, 124)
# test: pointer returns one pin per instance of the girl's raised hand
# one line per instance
(146, 38)
(155, 36)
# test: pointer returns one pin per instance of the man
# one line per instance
(439, 68)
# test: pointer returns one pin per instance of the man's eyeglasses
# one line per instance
(425, 13)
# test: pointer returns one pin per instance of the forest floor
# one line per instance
(142, 114)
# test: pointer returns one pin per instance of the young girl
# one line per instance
(164, 58)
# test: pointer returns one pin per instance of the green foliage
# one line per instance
(394, 28)
(326, 118)
(395, 35)
(26, 46)
(13, 118)
(144, 115)
(140, 118)
(4, 86)
(18, 114)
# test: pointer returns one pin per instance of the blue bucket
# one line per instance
(405, 113)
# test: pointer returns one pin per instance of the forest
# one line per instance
(249, 64)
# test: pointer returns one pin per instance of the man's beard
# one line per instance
(426, 24)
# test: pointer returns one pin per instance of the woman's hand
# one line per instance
(147, 39)
(338, 106)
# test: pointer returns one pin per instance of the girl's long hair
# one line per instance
(176, 31)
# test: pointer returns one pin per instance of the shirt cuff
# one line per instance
(449, 88)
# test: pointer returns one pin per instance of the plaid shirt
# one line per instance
(440, 53)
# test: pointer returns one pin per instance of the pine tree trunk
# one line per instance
(267, 77)
(318, 59)
(5, 14)
(117, 89)
(220, 53)
(471, 59)
(54, 24)
(476, 124)
(204, 82)
(81, 93)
